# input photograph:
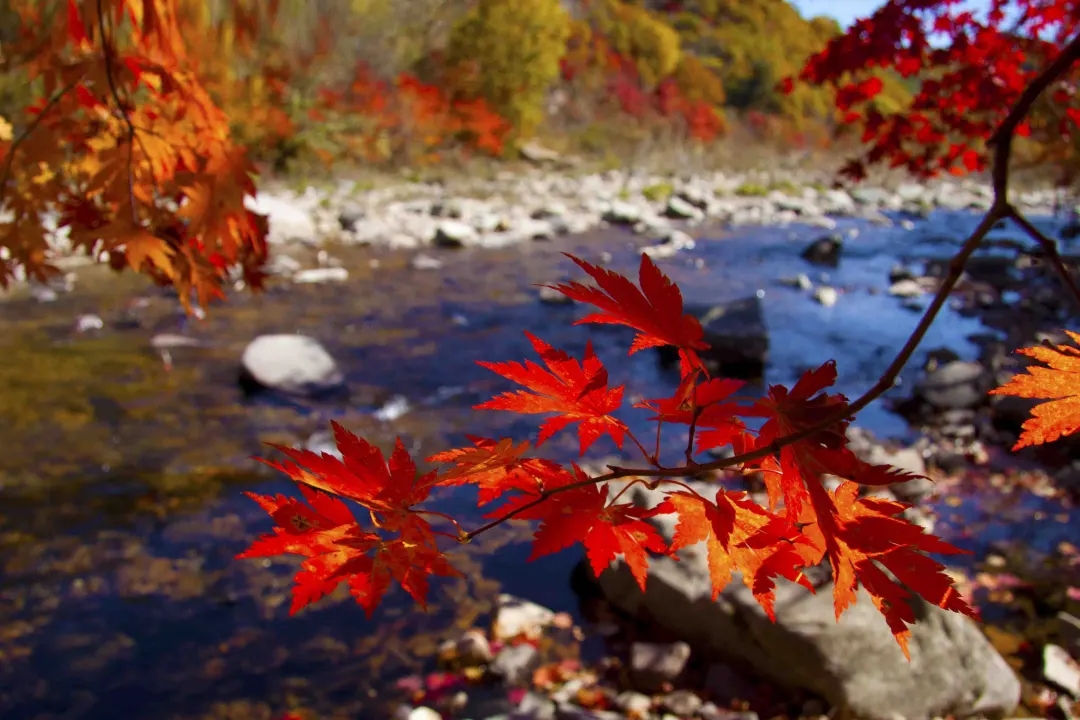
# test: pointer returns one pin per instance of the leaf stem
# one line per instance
(644, 453)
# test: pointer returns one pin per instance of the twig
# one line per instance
(1050, 248)
(644, 453)
(106, 49)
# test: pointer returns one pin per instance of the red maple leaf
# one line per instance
(583, 515)
(870, 533)
(706, 405)
(655, 311)
(577, 391)
(789, 411)
(972, 72)
(327, 534)
(388, 488)
(853, 533)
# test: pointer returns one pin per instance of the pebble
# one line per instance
(826, 295)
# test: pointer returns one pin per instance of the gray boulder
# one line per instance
(737, 336)
(956, 385)
(854, 663)
(825, 250)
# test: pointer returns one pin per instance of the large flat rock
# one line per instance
(854, 663)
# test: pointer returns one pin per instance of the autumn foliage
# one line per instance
(968, 84)
(130, 152)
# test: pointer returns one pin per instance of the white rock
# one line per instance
(659, 252)
(906, 288)
(826, 295)
(289, 220)
(516, 616)
(294, 364)
(393, 409)
(321, 275)
(454, 233)
(682, 209)
(425, 262)
(86, 323)
(622, 213)
(1060, 669)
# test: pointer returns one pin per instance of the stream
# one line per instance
(121, 480)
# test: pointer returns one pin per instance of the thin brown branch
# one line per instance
(106, 48)
(1002, 144)
(1049, 248)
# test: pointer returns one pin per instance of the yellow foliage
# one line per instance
(508, 52)
(638, 33)
(698, 82)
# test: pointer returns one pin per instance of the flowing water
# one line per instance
(121, 482)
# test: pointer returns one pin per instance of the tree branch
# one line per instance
(1001, 141)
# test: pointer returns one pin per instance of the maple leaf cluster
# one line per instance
(801, 445)
(972, 70)
(128, 151)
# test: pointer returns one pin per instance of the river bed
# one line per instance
(122, 480)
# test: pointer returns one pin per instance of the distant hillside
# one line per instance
(405, 81)
(729, 54)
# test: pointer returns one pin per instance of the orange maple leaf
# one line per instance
(499, 467)
(1059, 384)
(140, 246)
(655, 311)
(872, 533)
(577, 391)
(740, 536)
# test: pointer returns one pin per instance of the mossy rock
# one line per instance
(751, 190)
(658, 192)
(786, 187)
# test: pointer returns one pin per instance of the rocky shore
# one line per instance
(534, 205)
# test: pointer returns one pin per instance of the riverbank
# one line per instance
(548, 199)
